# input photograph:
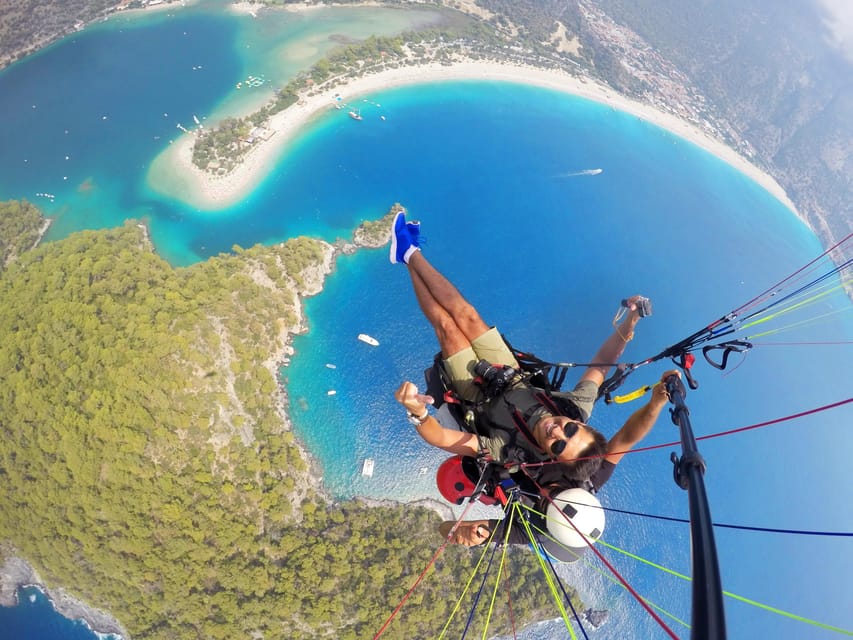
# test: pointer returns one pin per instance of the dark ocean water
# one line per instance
(35, 619)
(501, 177)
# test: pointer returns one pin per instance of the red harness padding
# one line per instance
(455, 483)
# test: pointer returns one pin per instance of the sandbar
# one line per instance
(174, 175)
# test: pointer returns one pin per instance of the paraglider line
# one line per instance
(707, 437)
(435, 556)
(799, 532)
(613, 570)
(729, 594)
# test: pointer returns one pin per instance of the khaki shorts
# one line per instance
(491, 346)
(460, 366)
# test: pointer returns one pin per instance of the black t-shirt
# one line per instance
(600, 477)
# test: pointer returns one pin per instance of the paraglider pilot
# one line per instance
(521, 422)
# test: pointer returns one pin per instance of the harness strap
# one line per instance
(548, 402)
(521, 425)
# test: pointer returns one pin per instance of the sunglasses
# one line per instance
(559, 446)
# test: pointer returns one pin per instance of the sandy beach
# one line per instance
(173, 173)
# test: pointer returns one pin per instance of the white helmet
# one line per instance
(585, 512)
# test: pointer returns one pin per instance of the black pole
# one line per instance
(708, 621)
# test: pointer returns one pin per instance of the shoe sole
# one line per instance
(393, 253)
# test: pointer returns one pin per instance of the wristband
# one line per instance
(417, 420)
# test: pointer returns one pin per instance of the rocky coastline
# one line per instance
(16, 573)
(368, 235)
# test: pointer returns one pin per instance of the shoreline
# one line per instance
(165, 5)
(207, 192)
(16, 573)
(278, 364)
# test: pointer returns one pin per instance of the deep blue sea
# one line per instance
(35, 619)
(500, 176)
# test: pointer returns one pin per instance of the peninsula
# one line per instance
(656, 54)
(188, 507)
(174, 174)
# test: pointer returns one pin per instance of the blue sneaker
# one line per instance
(414, 228)
(402, 245)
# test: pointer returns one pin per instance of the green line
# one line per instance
(797, 324)
(549, 579)
(798, 305)
(734, 596)
(498, 578)
(595, 568)
(467, 586)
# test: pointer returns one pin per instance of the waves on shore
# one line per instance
(36, 616)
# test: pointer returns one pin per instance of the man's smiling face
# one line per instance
(565, 439)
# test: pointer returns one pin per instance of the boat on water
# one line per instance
(367, 467)
(355, 115)
(368, 339)
(329, 365)
(331, 392)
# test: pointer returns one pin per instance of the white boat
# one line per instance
(355, 115)
(329, 365)
(367, 468)
(368, 339)
(331, 392)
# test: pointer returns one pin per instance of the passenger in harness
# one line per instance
(457, 480)
(508, 415)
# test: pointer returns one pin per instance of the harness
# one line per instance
(476, 418)
(473, 416)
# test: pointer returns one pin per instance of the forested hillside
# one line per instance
(769, 69)
(20, 226)
(146, 466)
(28, 25)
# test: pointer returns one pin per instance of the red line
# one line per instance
(609, 566)
(708, 437)
(424, 572)
(752, 302)
(748, 428)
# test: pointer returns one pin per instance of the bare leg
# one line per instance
(450, 336)
(432, 288)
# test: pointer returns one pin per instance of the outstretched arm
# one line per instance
(640, 423)
(430, 430)
(609, 352)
